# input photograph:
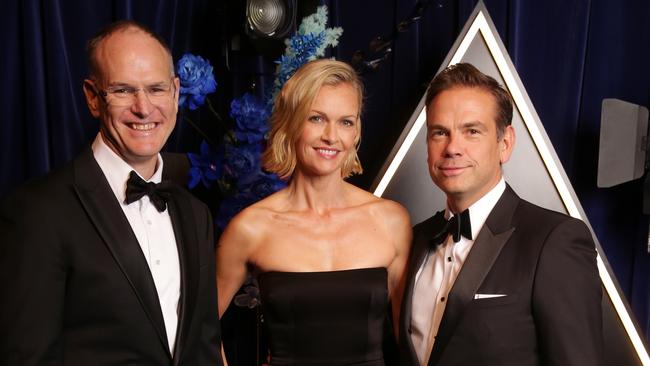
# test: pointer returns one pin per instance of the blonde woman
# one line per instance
(329, 257)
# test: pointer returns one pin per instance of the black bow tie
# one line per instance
(158, 194)
(459, 225)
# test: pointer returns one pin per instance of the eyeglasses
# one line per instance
(126, 95)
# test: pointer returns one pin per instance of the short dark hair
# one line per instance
(466, 75)
(120, 25)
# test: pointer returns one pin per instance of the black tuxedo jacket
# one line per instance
(545, 264)
(76, 288)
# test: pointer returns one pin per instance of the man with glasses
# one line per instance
(105, 262)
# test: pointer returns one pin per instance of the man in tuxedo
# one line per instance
(493, 279)
(104, 262)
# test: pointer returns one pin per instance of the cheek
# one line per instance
(169, 112)
(172, 124)
(308, 133)
(303, 140)
(432, 150)
(431, 153)
(351, 138)
(115, 117)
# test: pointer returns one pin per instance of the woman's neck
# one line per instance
(317, 193)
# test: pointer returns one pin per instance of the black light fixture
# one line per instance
(270, 18)
(381, 47)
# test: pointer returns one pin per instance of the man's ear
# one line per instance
(177, 87)
(507, 144)
(92, 98)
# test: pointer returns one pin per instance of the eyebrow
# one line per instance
(123, 83)
(474, 124)
(325, 114)
(470, 124)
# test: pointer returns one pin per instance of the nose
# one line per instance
(454, 145)
(142, 106)
(330, 133)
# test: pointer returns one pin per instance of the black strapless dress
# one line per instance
(325, 318)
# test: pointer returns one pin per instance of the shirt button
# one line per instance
(448, 259)
(442, 299)
(158, 261)
(149, 222)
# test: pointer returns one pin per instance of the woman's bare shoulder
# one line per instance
(379, 206)
(390, 217)
(394, 214)
(254, 221)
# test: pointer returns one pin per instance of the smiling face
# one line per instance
(136, 131)
(329, 131)
(464, 153)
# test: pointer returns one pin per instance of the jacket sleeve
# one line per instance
(210, 337)
(567, 297)
(32, 279)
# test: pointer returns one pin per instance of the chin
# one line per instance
(450, 187)
(144, 152)
(323, 171)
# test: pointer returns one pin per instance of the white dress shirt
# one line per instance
(437, 275)
(153, 230)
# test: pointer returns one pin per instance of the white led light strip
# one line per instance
(399, 156)
(480, 24)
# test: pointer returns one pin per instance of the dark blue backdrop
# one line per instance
(569, 54)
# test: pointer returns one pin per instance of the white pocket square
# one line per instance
(487, 296)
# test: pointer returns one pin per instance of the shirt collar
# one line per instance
(117, 170)
(481, 209)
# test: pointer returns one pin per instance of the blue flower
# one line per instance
(242, 160)
(301, 48)
(261, 184)
(236, 165)
(197, 80)
(266, 185)
(207, 167)
(251, 115)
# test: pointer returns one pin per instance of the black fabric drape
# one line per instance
(570, 55)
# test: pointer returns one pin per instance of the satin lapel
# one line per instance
(182, 216)
(422, 243)
(106, 215)
(493, 236)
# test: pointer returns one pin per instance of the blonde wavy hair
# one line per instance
(292, 107)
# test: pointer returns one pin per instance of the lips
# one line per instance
(451, 171)
(142, 126)
(326, 153)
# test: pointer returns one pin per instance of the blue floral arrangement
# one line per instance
(197, 81)
(234, 166)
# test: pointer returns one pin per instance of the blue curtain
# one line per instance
(569, 54)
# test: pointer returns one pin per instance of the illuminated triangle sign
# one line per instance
(534, 170)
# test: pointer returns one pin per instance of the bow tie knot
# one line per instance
(459, 225)
(159, 194)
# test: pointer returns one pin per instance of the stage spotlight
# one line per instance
(270, 18)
